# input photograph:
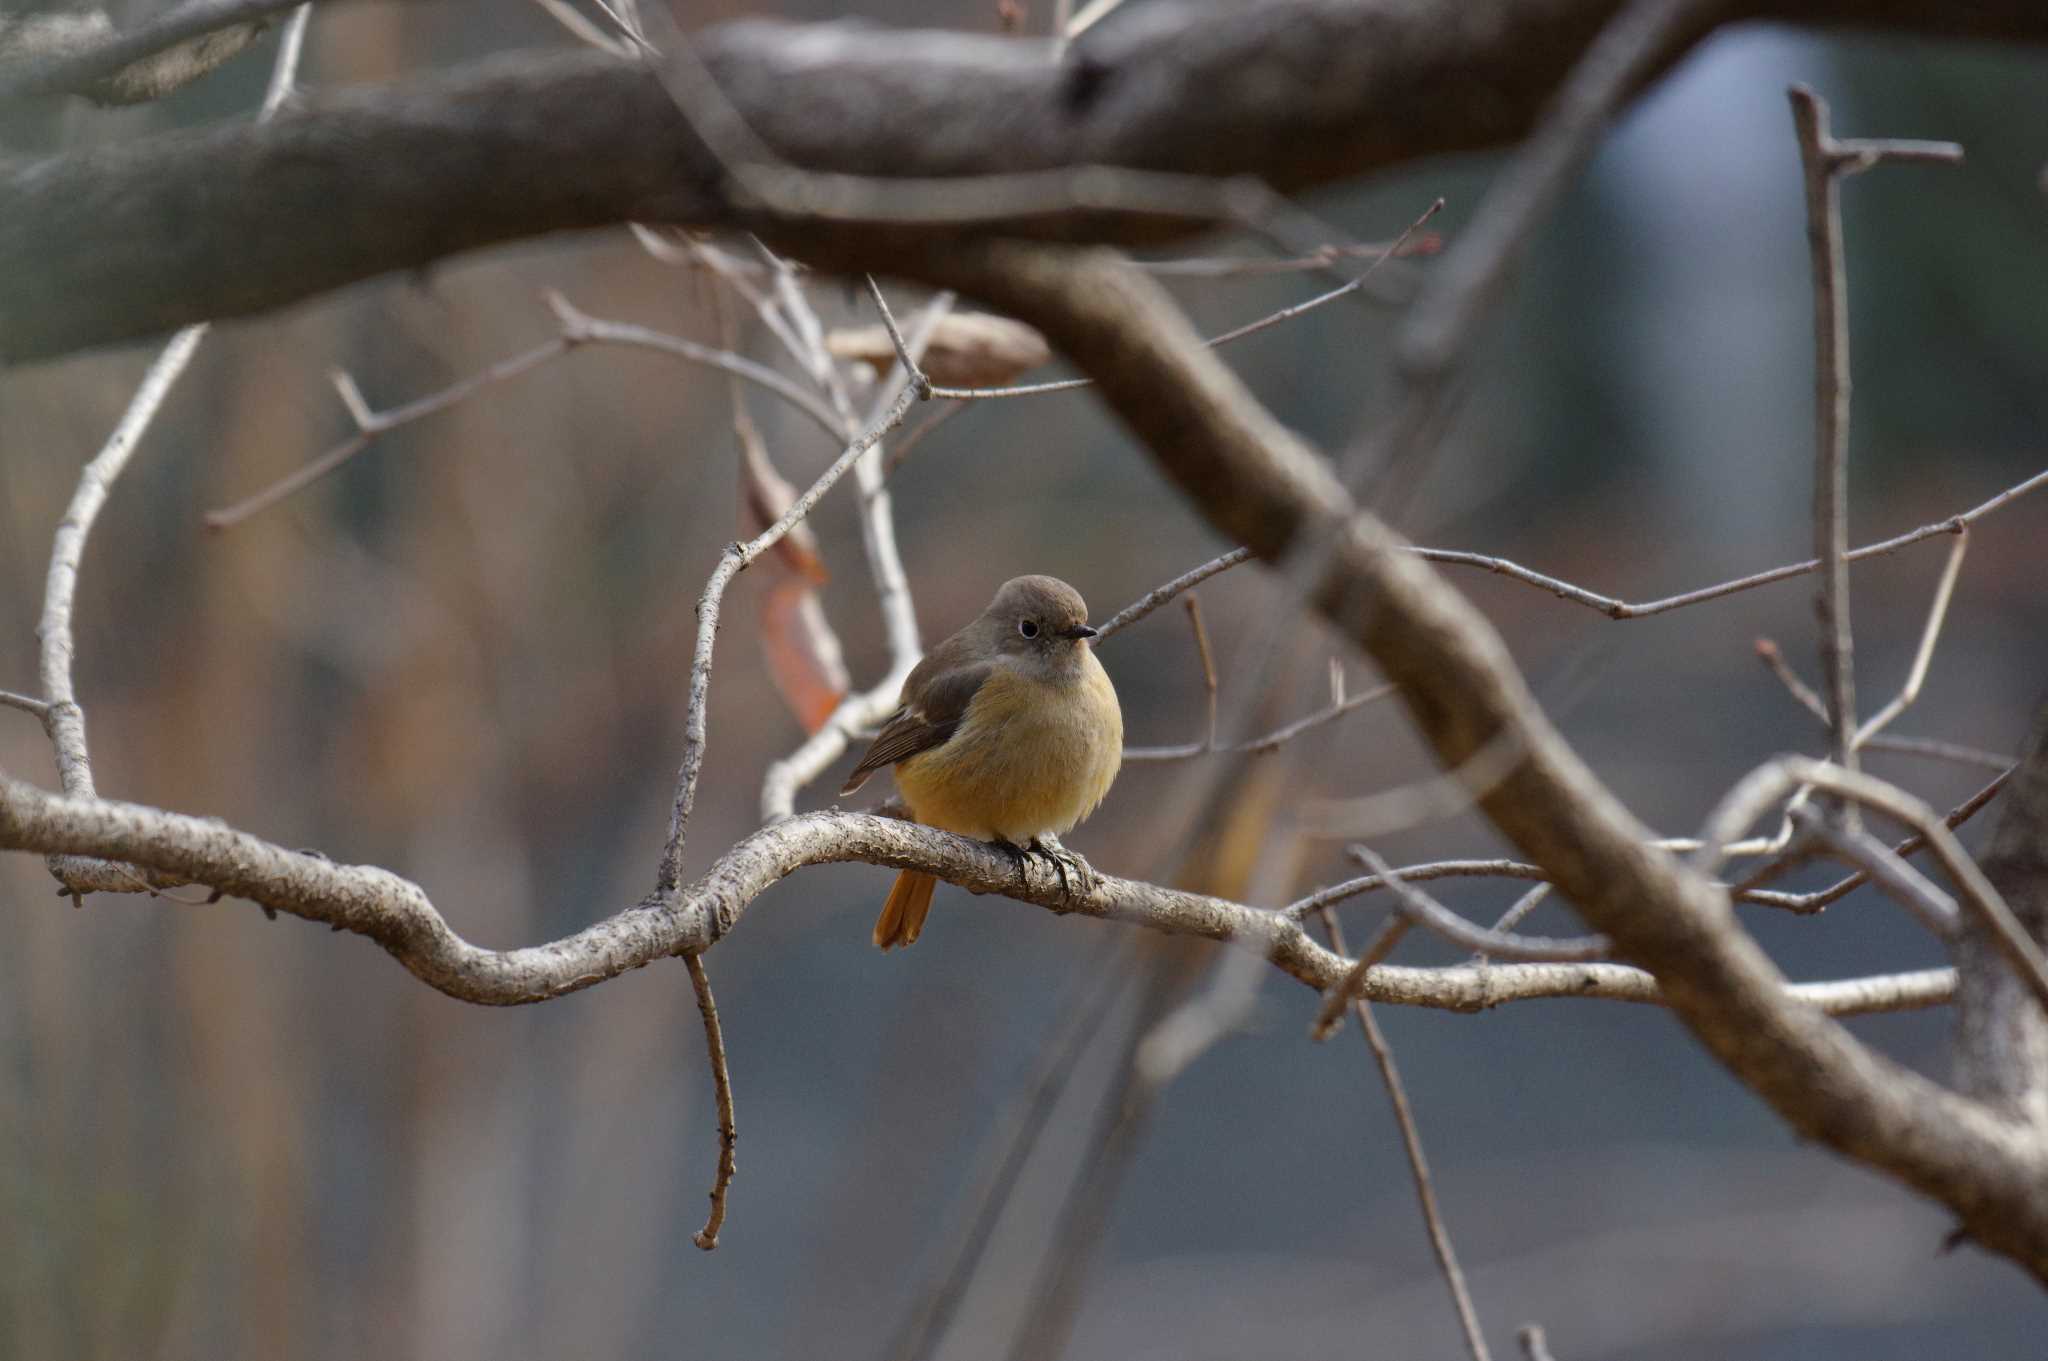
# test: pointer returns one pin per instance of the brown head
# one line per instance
(1036, 620)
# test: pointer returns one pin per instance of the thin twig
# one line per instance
(1831, 420)
(1944, 590)
(735, 559)
(370, 425)
(1160, 595)
(1936, 910)
(1932, 748)
(1418, 1164)
(721, 1083)
(1774, 780)
(1820, 899)
(1253, 267)
(36, 708)
(1773, 657)
(1519, 910)
(1261, 746)
(1193, 602)
(577, 329)
(1416, 874)
(878, 513)
(1271, 319)
(1823, 162)
(1615, 608)
(1350, 987)
(1939, 750)
(1425, 911)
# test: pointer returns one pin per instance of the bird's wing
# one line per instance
(943, 695)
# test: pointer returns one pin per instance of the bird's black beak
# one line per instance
(1078, 631)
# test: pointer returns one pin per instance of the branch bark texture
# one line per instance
(1262, 486)
(112, 243)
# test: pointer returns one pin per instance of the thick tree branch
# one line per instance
(1261, 485)
(397, 914)
(41, 56)
(2001, 1031)
(112, 243)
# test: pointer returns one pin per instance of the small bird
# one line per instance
(1009, 731)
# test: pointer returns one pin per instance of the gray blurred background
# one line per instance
(463, 658)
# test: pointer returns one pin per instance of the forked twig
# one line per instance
(577, 330)
(734, 560)
(1824, 162)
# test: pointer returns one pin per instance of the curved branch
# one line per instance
(110, 243)
(1260, 484)
(396, 913)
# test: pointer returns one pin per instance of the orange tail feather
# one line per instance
(903, 914)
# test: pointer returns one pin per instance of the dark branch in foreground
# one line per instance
(115, 242)
(1258, 483)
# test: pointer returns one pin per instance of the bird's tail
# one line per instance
(903, 915)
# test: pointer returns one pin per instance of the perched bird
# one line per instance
(1008, 731)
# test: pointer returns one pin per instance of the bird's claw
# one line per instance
(1066, 862)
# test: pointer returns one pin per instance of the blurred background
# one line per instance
(463, 657)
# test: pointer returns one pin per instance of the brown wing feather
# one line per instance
(934, 700)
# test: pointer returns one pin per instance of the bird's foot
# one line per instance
(1066, 862)
(1019, 856)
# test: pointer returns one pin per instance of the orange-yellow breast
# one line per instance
(1030, 757)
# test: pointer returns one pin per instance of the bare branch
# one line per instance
(734, 560)
(721, 1082)
(1271, 319)
(397, 915)
(1887, 869)
(1153, 599)
(64, 719)
(1831, 405)
(1929, 636)
(84, 67)
(1418, 1164)
(1426, 912)
(371, 424)
(1823, 162)
(1615, 608)
(577, 329)
(1259, 484)
(1820, 899)
(2001, 1040)
(1937, 750)
(393, 179)
(1414, 874)
(1774, 780)
(1933, 748)
(35, 708)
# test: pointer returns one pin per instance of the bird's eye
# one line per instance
(1028, 627)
